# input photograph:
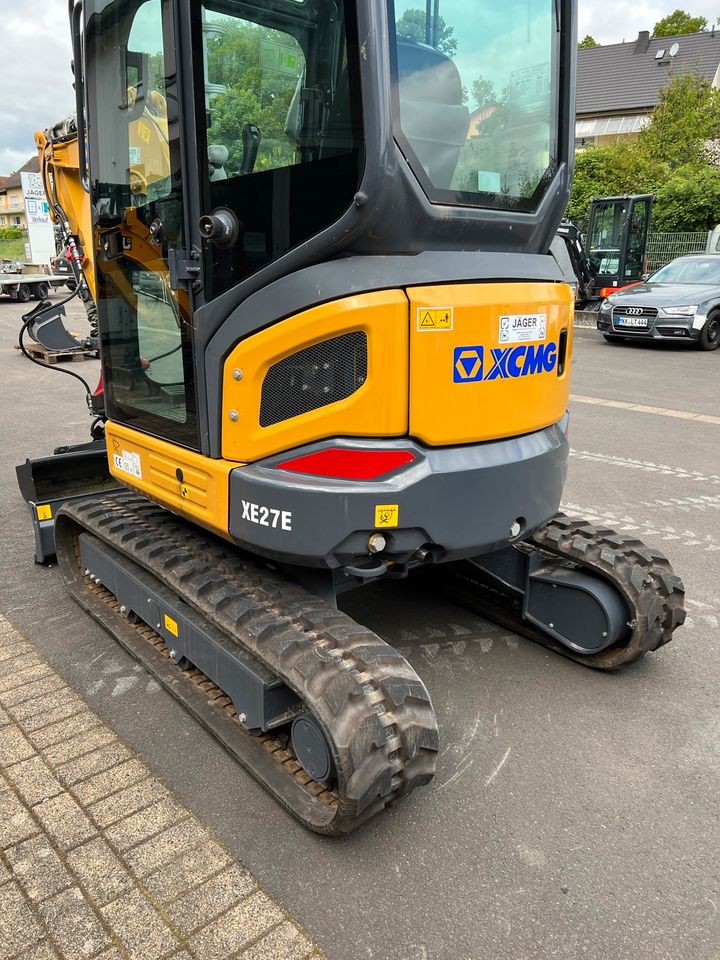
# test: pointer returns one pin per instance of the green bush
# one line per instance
(12, 233)
(689, 200)
(671, 159)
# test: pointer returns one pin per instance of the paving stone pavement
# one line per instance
(98, 861)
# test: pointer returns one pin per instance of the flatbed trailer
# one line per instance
(24, 287)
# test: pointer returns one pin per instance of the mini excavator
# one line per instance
(334, 350)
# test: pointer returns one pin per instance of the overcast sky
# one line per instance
(36, 85)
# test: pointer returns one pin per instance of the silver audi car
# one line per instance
(679, 302)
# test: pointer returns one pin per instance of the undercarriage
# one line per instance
(333, 721)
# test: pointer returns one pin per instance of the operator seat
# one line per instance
(217, 158)
(434, 119)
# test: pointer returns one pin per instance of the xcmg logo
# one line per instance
(507, 363)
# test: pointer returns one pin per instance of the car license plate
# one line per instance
(640, 322)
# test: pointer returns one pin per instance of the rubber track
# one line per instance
(374, 709)
(644, 577)
(276, 743)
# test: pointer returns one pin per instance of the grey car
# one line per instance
(679, 302)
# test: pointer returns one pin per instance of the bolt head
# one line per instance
(515, 529)
(234, 416)
(123, 608)
(238, 374)
(376, 543)
(242, 718)
(552, 626)
(173, 654)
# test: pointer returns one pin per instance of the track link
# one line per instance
(373, 708)
(653, 592)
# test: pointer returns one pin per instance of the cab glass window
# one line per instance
(476, 98)
(606, 236)
(282, 123)
(137, 195)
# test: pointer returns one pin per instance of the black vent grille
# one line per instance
(313, 378)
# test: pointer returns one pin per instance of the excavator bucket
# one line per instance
(46, 483)
(47, 328)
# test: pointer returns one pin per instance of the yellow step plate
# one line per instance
(187, 483)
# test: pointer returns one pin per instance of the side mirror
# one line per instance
(645, 277)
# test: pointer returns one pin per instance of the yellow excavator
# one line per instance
(334, 351)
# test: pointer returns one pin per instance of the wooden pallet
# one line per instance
(58, 356)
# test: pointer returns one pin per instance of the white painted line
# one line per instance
(646, 466)
(645, 530)
(644, 408)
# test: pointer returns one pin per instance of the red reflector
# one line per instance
(349, 464)
(100, 388)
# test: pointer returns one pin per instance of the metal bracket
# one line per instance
(185, 268)
(576, 608)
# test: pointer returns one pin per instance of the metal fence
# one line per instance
(664, 247)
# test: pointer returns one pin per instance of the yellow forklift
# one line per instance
(334, 351)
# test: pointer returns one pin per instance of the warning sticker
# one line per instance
(523, 327)
(129, 463)
(44, 511)
(434, 318)
(171, 625)
(387, 515)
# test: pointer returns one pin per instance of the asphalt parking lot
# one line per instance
(573, 814)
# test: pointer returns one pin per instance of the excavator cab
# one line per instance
(334, 350)
(265, 138)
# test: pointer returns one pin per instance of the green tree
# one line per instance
(670, 159)
(483, 91)
(412, 25)
(230, 112)
(687, 115)
(611, 171)
(678, 22)
(253, 93)
(591, 179)
(587, 43)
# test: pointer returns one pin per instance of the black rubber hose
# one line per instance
(27, 320)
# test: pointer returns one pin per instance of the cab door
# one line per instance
(279, 119)
(140, 224)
